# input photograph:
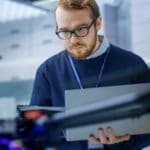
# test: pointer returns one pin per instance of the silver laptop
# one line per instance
(81, 98)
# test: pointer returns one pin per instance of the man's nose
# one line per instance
(74, 38)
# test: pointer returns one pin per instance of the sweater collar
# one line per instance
(101, 50)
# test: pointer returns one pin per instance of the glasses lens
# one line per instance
(82, 31)
(64, 34)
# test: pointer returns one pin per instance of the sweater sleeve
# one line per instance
(41, 89)
(143, 71)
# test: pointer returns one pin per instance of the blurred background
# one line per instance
(27, 38)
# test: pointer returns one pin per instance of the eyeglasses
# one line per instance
(80, 32)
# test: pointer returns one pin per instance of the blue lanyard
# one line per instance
(100, 73)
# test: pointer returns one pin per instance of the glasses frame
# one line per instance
(75, 32)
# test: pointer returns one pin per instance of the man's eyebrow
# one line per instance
(81, 25)
(78, 26)
(63, 29)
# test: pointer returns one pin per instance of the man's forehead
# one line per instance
(64, 14)
(72, 18)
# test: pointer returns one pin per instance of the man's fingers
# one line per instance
(93, 139)
(111, 135)
(102, 136)
(111, 139)
(123, 138)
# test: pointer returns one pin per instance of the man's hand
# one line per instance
(111, 139)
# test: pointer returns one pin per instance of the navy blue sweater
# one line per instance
(55, 75)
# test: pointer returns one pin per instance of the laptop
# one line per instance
(81, 98)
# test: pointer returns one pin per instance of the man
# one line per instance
(84, 63)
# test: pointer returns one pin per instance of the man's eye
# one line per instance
(82, 29)
(65, 32)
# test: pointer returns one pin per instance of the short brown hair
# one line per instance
(81, 4)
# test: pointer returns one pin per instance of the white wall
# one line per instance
(25, 42)
(140, 25)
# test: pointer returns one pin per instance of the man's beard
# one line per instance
(86, 50)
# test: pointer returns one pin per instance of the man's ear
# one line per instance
(98, 23)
